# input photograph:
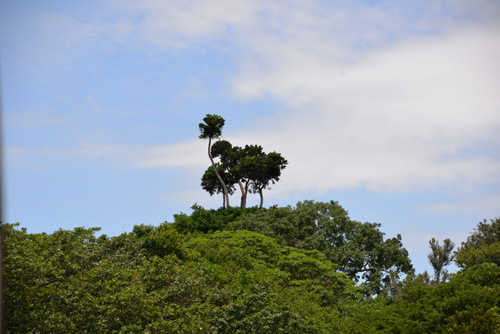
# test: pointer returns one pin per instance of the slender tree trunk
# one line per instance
(244, 192)
(261, 198)
(226, 193)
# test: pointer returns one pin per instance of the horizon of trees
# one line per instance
(302, 269)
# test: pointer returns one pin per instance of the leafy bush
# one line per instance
(204, 221)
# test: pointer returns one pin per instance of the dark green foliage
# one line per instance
(157, 280)
(250, 168)
(482, 246)
(271, 279)
(224, 150)
(211, 184)
(358, 248)
(265, 170)
(254, 251)
(163, 241)
(203, 220)
(468, 303)
(173, 278)
(258, 311)
(212, 129)
(47, 276)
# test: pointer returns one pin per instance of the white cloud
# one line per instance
(396, 118)
(191, 154)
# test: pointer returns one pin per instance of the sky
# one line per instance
(390, 108)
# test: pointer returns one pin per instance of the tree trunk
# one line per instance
(226, 193)
(261, 198)
(244, 192)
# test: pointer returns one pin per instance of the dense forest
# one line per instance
(302, 269)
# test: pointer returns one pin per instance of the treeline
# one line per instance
(302, 269)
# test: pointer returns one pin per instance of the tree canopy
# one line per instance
(212, 129)
(440, 256)
(483, 245)
(358, 248)
(303, 269)
(155, 280)
(249, 168)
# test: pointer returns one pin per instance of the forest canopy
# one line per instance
(302, 269)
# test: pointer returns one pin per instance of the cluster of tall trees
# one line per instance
(302, 269)
(249, 167)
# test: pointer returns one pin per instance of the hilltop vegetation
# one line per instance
(302, 269)
(249, 167)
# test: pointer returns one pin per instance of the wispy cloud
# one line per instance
(485, 205)
(178, 25)
(188, 155)
(35, 119)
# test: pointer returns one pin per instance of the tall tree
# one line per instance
(240, 164)
(211, 184)
(440, 256)
(230, 157)
(482, 246)
(212, 129)
(249, 167)
(243, 163)
(359, 249)
(268, 171)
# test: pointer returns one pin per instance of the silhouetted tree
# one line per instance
(211, 129)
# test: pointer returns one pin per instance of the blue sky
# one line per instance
(390, 108)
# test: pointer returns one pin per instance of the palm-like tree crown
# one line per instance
(212, 128)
